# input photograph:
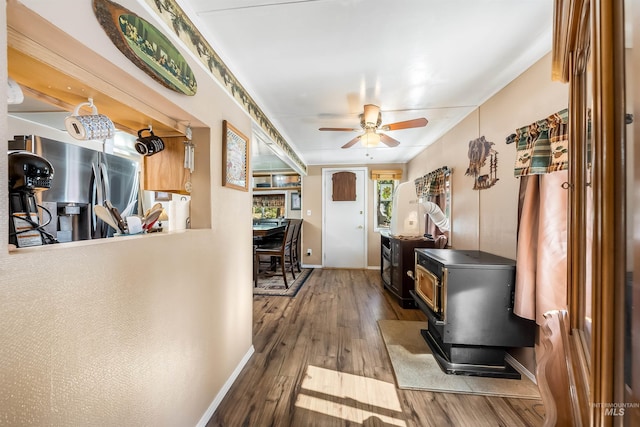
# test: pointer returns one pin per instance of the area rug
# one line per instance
(416, 368)
(273, 285)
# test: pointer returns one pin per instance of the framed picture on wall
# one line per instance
(295, 202)
(235, 158)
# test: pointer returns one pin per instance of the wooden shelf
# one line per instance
(276, 181)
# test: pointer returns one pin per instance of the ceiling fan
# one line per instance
(371, 123)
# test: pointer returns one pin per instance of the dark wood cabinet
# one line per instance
(397, 258)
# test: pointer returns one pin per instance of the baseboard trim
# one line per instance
(311, 266)
(520, 367)
(225, 389)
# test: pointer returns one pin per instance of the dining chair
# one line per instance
(255, 267)
(295, 244)
(281, 251)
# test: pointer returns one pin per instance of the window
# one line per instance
(384, 183)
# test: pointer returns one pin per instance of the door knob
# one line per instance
(360, 226)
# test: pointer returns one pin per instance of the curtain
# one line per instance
(432, 188)
(541, 163)
(541, 272)
(542, 147)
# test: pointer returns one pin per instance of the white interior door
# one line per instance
(344, 232)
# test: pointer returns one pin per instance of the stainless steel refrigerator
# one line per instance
(82, 179)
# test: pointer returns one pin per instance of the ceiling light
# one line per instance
(371, 116)
(370, 138)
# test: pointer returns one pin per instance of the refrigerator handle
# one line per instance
(106, 186)
(96, 197)
(92, 201)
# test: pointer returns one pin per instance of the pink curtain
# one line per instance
(541, 273)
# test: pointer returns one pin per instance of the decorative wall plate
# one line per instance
(145, 46)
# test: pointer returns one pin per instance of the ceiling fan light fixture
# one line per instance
(370, 138)
(371, 115)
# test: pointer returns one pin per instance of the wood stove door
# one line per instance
(428, 289)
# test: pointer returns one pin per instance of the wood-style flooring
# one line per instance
(320, 361)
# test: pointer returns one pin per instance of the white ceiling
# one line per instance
(315, 63)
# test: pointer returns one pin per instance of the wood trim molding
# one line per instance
(568, 31)
(607, 361)
(380, 174)
(596, 373)
(556, 372)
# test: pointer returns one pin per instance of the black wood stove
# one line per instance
(468, 299)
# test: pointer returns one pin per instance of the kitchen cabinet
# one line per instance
(276, 181)
(165, 170)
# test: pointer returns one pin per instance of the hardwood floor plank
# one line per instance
(320, 361)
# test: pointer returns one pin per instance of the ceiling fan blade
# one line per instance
(352, 142)
(341, 129)
(415, 123)
(390, 142)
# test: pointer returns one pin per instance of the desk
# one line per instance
(265, 230)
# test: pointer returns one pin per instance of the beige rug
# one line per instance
(416, 368)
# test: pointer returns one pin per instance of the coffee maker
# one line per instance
(28, 174)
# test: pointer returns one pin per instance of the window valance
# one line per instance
(542, 147)
(381, 174)
(433, 183)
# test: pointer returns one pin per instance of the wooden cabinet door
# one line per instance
(165, 170)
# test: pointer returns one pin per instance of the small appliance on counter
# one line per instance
(84, 178)
(28, 175)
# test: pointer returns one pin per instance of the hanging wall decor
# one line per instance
(144, 45)
(235, 158)
(479, 151)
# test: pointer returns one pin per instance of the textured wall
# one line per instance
(140, 330)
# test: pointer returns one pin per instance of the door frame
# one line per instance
(326, 171)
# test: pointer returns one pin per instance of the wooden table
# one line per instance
(265, 230)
